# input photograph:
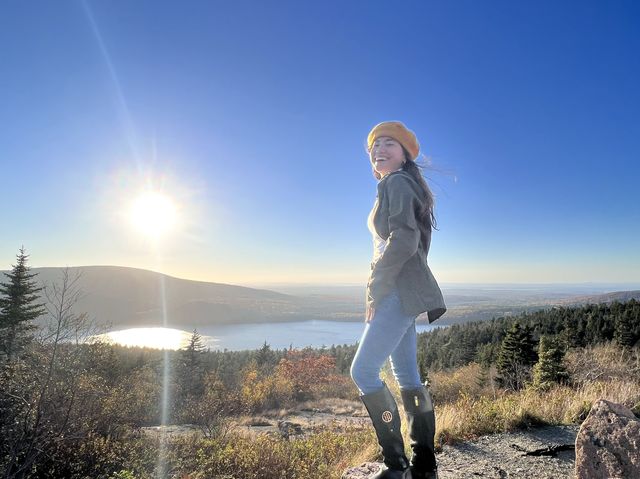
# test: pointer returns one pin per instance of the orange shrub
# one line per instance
(308, 372)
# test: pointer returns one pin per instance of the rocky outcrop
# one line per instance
(608, 443)
(538, 453)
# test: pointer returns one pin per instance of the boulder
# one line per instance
(288, 428)
(608, 443)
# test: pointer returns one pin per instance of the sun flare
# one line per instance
(153, 214)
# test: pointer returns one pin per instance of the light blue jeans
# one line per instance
(390, 334)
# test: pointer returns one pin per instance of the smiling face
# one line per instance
(386, 155)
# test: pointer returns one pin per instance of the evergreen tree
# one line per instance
(18, 307)
(624, 329)
(467, 349)
(265, 358)
(572, 332)
(487, 353)
(195, 347)
(190, 368)
(482, 378)
(517, 355)
(549, 369)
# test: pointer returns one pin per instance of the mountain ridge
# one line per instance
(126, 297)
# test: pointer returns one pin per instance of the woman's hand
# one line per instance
(370, 312)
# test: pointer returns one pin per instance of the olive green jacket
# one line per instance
(403, 264)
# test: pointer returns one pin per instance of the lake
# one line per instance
(298, 334)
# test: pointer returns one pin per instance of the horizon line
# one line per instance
(342, 283)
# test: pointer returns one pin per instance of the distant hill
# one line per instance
(620, 296)
(130, 297)
(462, 310)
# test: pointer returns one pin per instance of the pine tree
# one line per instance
(482, 378)
(549, 369)
(196, 346)
(190, 374)
(265, 358)
(624, 329)
(572, 333)
(467, 349)
(18, 307)
(487, 354)
(517, 355)
(191, 361)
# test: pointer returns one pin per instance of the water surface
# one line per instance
(297, 334)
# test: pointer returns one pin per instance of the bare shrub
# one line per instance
(603, 362)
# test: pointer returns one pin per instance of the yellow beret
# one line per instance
(397, 131)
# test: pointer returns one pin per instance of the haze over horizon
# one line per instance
(293, 287)
(247, 121)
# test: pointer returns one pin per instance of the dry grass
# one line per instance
(465, 409)
(472, 416)
(468, 405)
(367, 452)
(337, 406)
(473, 380)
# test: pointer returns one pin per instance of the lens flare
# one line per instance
(153, 214)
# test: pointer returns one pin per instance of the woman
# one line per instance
(400, 288)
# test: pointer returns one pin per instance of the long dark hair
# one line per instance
(426, 217)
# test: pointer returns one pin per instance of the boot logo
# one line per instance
(387, 416)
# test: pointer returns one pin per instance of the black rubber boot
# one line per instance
(383, 410)
(421, 421)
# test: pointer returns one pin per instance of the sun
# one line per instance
(153, 214)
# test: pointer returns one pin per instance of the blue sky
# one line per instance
(252, 117)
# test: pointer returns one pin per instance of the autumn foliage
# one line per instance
(300, 375)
